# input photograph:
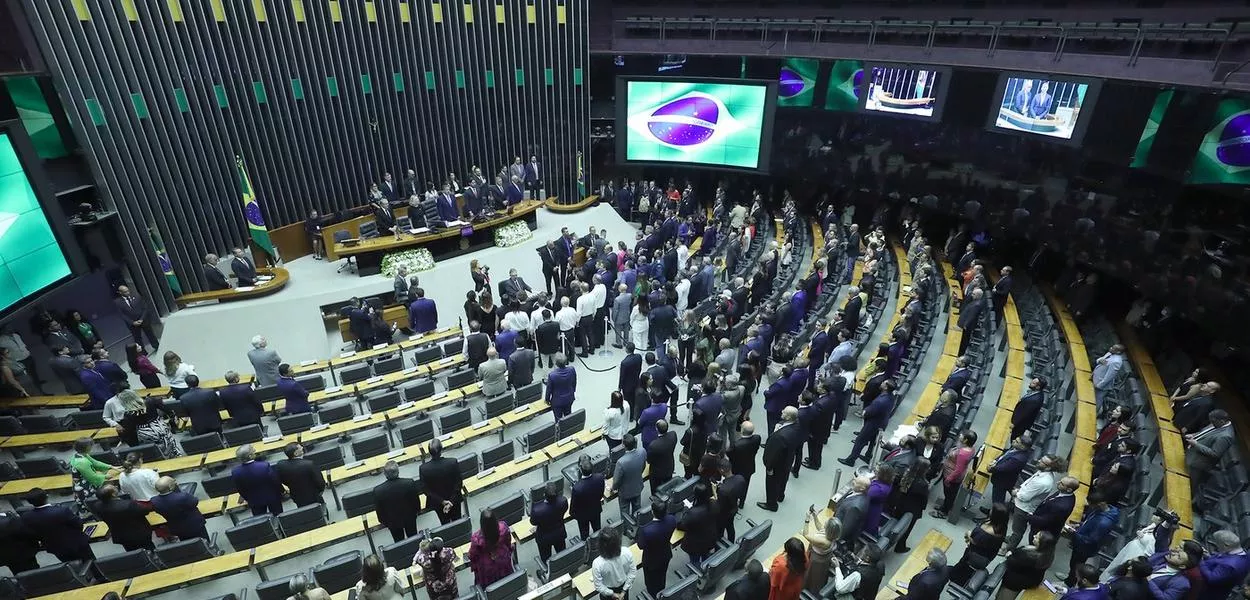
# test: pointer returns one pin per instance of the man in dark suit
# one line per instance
(741, 456)
(383, 216)
(550, 257)
(422, 313)
(257, 482)
(753, 585)
(547, 338)
(447, 209)
(1053, 512)
(521, 367)
(410, 186)
(547, 517)
(970, 318)
(361, 324)
(444, 485)
(930, 581)
(476, 344)
(660, 455)
(389, 191)
(627, 382)
(654, 540)
(398, 502)
(779, 458)
(1006, 469)
(295, 397)
(216, 279)
(239, 399)
(730, 494)
(561, 388)
(515, 192)
(126, 519)
(818, 350)
(513, 285)
(586, 498)
(876, 417)
(180, 509)
(1000, 293)
(244, 269)
(20, 546)
(203, 406)
(851, 311)
(958, 377)
(135, 310)
(472, 203)
(301, 476)
(533, 176)
(1028, 408)
(497, 195)
(57, 527)
(824, 409)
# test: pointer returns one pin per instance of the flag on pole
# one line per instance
(251, 210)
(162, 257)
(581, 177)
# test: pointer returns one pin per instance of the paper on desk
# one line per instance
(419, 230)
(903, 431)
(454, 223)
(246, 288)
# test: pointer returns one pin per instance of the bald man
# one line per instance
(180, 509)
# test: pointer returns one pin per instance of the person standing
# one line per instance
(300, 476)
(970, 319)
(615, 419)
(239, 401)
(398, 502)
(180, 509)
(436, 564)
(494, 374)
(627, 476)
(444, 484)
(741, 456)
(731, 493)
(126, 519)
(1028, 408)
(983, 544)
(139, 363)
(788, 571)
(19, 353)
(779, 458)
(930, 581)
(1000, 293)
(660, 455)
(1226, 566)
(57, 528)
(176, 372)
(264, 360)
(586, 498)
(654, 540)
(1087, 536)
(1204, 448)
(521, 367)
(137, 314)
(954, 468)
(257, 483)
(1030, 494)
(294, 396)
(561, 388)
(490, 550)
(613, 571)
(203, 406)
(1027, 566)
(20, 547)
(1006, 469)
(422, 313)
(547, 518)
(876, 417)
(1106, 373)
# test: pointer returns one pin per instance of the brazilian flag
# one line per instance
(162, 257)
(796, 83)
(251, 210)
(1142, 154)
(1224, 155)
(581, 177)
(845, 85)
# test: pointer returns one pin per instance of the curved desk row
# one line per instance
(280, 278)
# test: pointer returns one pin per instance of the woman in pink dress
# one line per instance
(490, 550)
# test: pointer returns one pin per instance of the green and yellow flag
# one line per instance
(251, 210)
(162, 257)
(581, 177)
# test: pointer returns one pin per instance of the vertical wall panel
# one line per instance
(319, 97)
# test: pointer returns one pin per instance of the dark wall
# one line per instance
(318, 106)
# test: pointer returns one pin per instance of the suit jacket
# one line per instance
(111, 371)
(631, 371)
(204, 407)
(20, 546)
(509, 288)
(475, 348)
(302, 478)
(1222, 572)
(547, 517)
(244, 270)
(1027, 409)
(447, 210)
(550, 258)
(1052, 513)
(1205, 453)
(779, 450)
(547, 337)
(819, 351)
(127, 520)
(660, 456)
(240, 401)
(423, 315)
(398, 501)
(388, 189)
(513, 194)
(58, 528)
(1193, 415)
(970, 314)
(295, 395)
(586, 497)
(748, 588)
(532, 172)
(521, 368)
(654, 539)
(257, 483)
(265, 361)
(731, 490)
(216, 279)
(181, 512)
(742, 453)
(927, 584)
(132, 307)
(98, 387)
(627, 476)
(443, 481)
(852, 511)
(401, 288)
(957, 379)
(851, 312)
(1006, 469)
(561, 387)
(701, 527)
(877, 413)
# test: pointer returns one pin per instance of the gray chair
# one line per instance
(354, 374)
(358, 503)
(427, 355)
(200, 444)
(274, 589)
(564, 562)
(327, 458)
(539, 437)
(538, 492)
(13, 426)
(238, 436)
(455, 533)
(452, 347)
(716, 567)
(454, 420)
(469, 466)
(369, 230)
(40, 467)
(399, 554)
(460, 379)
(304, 518)
(417, 390)
(88, 419)
(388, 365)
(219, 485)
(312, 383)
(116, 567)
(336, 412)
(509, 510)
(55, 579)
(572, 423)
(685, 589)
(529, 393)
(508, 588)
(498, 454)
(415, 431)
(338, 573)
(752, 540)
(383, 401)
(252, 532)
(149, 452)
(288, 424)
(498, 406)
(268, 393)
(41, 423)
(185, 552)
(371, 445)
(682, 492)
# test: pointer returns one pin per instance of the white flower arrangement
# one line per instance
(417, 260)
(512, 234)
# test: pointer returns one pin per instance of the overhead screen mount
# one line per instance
(1058, 107)
(717, 123)
(904, 90)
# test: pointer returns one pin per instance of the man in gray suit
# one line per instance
(1204, 448)
(264, 361)
(852, 508)
(627, 476)
(401, 285)
(726, 357)
(494, 374)
(620, 317)
(66, 368)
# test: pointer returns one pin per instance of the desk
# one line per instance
(925, 404)
(280, 278)
(441, 243)
(1085, 388)
(314, 539)
(1080, 357)
(380, 382)
(438, 335)
(390, 314)
(1173, 447)
(185, 575)
(60, 401)
(914, 563)
(1015, 363)
(1013, 388)
(951, 347)
(1176, 488)
(1015, 336)
(1010, 313)
(999, 435)
(220, 382)
(1081, 463)
(94, 592)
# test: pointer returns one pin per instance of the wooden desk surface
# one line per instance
(989, 454)
(924, 404)
(1013, 389)
(438, 335)
(316, 538)
(1015, 363)
(381, 381)
(1011, 314)
(536, 459)
(1080, 357)
(999, 435)
(1086, 424)
(169, 579)
(951, 346)
(1176, 488)
(58, 401)
(94, 592)
(219, 382)
(386, 243)
(1173, 446)
(1081, 463)
(1015, 336)
(280, 278)
(1085, 389)
(913, 564)
(1150, 376)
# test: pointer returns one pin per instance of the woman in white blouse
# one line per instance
(616, 420)
(378, 581)
(137, 482)
(176, 371)
(613, 570)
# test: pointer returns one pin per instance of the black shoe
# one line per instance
(781, 498)
(766, 506)
(676, 422)
(617, 346)
(808, 464)
(846, 462)
(795, 474)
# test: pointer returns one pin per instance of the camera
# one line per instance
(1171, 519)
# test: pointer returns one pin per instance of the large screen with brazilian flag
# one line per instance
(796, 82)
(31, 258)
(846, 82)
(1224, 154)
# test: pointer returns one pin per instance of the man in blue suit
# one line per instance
(655, 541)
(99, 390)
(776, 398)
(239, 400)
(1006, 469)
(630, 372)
(651, 415)
(257, 482)
(361, 324)
(447, 210)
(180, 509)
(1053, 512)
(818, 351)
(586, 504)
(1167, 578)
(533, 177)
(929, 582)
(958, 377)
(293, 392)
(561, 387)
(515, 193)
(109, 369)
(876, 417)
(422, 313)
(57, 527)
(547, 517)
(799, 303)
(203, 406)
(624, 202)
(1226, 567)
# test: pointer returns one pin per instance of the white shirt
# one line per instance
(113, 411)
(844, 584)
(517, 320)
(586, 305)
(17, 347)
(536, 318)
(616, 421)
(683, 255)
(613, 573)
(567, 317)
(600, 292)
(139, 484)
(1035, 489)
(179, 378)
(683, 295)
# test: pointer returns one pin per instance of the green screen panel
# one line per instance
(429, 80)
(1147, 140)
(97, 113)
(332, 86)
(692, 122)
(460, 79)
(845, 83)
(258, 90)
(180, 99)
(398, 80)
(141, 105)
(223, 101)
(796, 83)
(577, 75)
(297, 89)
(1223, 156)
(36, 117)
(366, 84)
(520, 77)
(490, 79)
(30, 257)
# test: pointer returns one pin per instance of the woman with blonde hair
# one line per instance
(176, 371)
(144, 422)
(480, 275)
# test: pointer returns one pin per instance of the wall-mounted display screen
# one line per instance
(846, 79)
(911, 91)
(796, 81)
(720, 123)
(31, 258)
(1224, 154)
(1049, 105)
(1147, 140)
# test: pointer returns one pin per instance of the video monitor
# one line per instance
(1224, 155)
(710, 122)
(846, 78)
(917, 92)
(1046, 105)
(31, 258)
(796, 82)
